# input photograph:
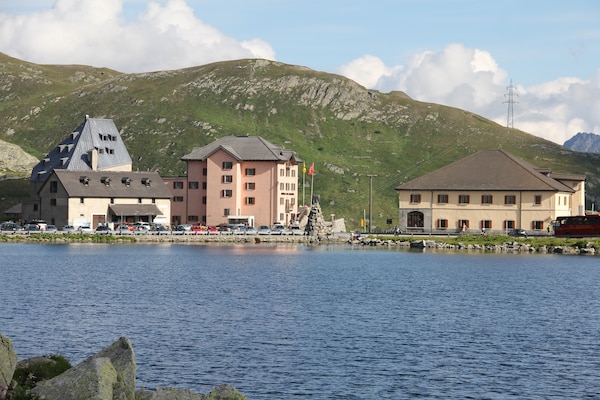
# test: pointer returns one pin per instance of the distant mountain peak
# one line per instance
(584, 142)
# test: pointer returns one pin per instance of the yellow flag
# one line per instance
(304, 167)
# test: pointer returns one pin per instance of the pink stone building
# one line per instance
(236, 179)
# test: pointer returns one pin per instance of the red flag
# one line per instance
(311, 170)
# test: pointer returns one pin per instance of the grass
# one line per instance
(26, 378)
(498, 240)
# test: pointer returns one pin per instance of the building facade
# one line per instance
(489, 191)
(87, 179)
(236, 179)
(93, 198)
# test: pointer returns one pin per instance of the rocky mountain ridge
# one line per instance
(584, 142)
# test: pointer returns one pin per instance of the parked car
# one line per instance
(238, 230)
(33, 228)
(51, 229)
(10, 226)
(183, 229)
(124, 230)
(517, 232)
(103, 230)
(279, 230)
(212, 230)
(68, 229)
(85, 229)
(251, 231)
(264, 230)
(297, 231)
(159, 230)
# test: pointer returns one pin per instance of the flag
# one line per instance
(311, 170)
(304, 168)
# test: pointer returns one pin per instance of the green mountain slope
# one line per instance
(349, 132)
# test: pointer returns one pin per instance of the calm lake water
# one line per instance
(323, 322)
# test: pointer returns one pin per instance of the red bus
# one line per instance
(577, 226)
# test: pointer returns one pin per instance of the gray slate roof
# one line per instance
(72, 153)
(74, 184)
(488, 170)
(243, 148)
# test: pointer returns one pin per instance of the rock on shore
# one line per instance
(107, 375)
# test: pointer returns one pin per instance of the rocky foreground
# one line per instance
(107, 375)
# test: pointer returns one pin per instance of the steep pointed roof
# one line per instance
(73, 153)
(487, 170)
(242, 148)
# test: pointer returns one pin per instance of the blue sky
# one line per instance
(461, 53)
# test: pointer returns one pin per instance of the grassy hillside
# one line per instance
(349, 132)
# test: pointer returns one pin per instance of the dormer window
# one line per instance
(146, 182)
(62, 147)
(84, 180)
(105, 180)
(64, 160)
(46, 160)
(126, 181)
(74, 135)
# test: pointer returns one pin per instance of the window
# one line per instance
(415, 198)
(463, 224)
(510, 199)
(204, 171)
(139, 200)
(442, 199)
(250, 185)
(193, 185)
(204, 185)
(537, 199)
(537, 225)
(192, 218)
(226, 212)
(81, 200)
(282, 186)
(178, 185)
(203, 199)
(227, 165)
(486, 224)
(509, 224)
(486, 199)
(442, 223)
(178, 199)
(227, 178)
(35, 207)
(154, 200)
(250, 200)
(463, 199)
(250, 171)
(227, 193)
(53, 186)
(52, 202)
(112, 200)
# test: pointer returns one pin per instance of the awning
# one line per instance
(135, 209)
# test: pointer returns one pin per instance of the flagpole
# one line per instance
(312, 178)
(303, 184)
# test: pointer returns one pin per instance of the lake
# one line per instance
(314, 322)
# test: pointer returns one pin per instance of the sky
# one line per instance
(460, 53)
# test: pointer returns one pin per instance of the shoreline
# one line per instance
(472, 243)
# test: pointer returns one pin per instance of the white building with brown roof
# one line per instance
(91, 198)
(87, 179)
(491, 191)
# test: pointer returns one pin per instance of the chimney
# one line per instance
(93, 159)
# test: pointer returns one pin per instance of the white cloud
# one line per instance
(94, 32)
(472, 80)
